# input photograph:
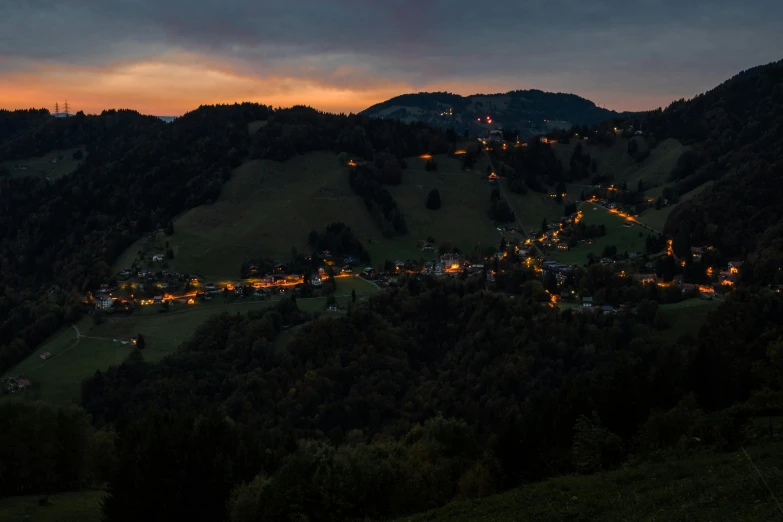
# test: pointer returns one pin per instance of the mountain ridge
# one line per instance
(531, 111)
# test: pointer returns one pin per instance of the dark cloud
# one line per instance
(666, 47)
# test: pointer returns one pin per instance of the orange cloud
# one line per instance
(172, 84)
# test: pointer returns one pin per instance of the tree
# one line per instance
(594, 447)
(640, 187)
(633, 147)
(140, 342)
(433, 200)
(430, 166)
(170, 228)
(544, 226)
(353, 296)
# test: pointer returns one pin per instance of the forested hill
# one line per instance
(58, 238)
(736, 135)
(431, 392)
(529, 111)
(14, 124)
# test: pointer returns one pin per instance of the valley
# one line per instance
(294, 315)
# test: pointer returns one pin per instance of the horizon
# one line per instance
(343, 56)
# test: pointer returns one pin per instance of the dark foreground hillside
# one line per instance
(704, 487)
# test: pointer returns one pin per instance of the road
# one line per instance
(503, 194)
(631, 219)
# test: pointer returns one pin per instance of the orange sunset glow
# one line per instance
(177, 83)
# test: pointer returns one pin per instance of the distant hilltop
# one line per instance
(167, 119)
(531, 111)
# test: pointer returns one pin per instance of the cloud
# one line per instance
(624, 54)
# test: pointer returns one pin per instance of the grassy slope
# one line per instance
(654, 170)
(532, 208)
(462, 219)
(624, 238)
(60, 377)
(43, 166)
(267, 208)
(80, 506)
(657, 218)
(704, 487)
(687, 316)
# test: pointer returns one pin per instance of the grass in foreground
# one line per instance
(79, 506)
(704, 487)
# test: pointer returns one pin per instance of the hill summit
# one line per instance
(529, 111)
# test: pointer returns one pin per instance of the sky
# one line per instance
(167, 57)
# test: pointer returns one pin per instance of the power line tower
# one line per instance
(56, 109)
(65, 109)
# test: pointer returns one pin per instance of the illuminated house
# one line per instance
(734, 267)
(103, 302)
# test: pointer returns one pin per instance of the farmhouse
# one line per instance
(103, 302)
(734, 267)
(587, 302)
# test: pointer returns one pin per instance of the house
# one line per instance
(46, 355)
(210, 286)
(587, 302)
(734, 267)
(697, 252)
(606, 261)
(103, 302)
(280, 268)
(608, 309)
(369, 272)
(164, 285)
(449, 259)
(158, 258)
(316, 280)
(239, 289)
(158, 299)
